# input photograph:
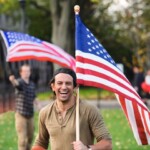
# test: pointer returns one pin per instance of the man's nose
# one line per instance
(64, 86)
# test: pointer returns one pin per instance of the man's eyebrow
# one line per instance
(64, 81)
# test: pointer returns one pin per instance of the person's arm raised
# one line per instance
(13, 80)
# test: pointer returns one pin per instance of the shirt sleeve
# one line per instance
(20, 85)
(97, 124)
(35, 92)
(42, 138)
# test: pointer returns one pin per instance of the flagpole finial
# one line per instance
(76, 9)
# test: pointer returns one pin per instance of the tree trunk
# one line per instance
(60, 13)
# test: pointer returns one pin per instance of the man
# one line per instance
(137, 80)
(25, 95)
(57, 120)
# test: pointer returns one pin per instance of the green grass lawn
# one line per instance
(114, 118)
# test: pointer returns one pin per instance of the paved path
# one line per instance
(100, 103)
(107, 104)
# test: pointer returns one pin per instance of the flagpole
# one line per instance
(77, 10)
(77, 117)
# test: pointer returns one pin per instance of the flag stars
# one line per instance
(11, 40)
(101, 52)
(108, 56)
(100, 45)
(92, 35)
(88, 36)
(105, 56)
(13, 37)
(112, 61)
(87, 29)
(96, 40)
(92, 41)
(97, 53)
(12, 43)
(93, 48)
(97, 46)
(89, 43)
(104, 51)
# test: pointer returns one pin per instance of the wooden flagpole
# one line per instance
(77, 117)
(77, 10)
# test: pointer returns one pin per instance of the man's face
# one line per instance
(25, 72)
(63, 87)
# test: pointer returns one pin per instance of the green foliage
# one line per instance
(39, 19)
(39, 23)
(37, 16)
(123, 33)
(114, 119)
(8, 6)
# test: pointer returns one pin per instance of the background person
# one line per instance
(25, 95)
(146, 87)
(57, 121)
(137, 80)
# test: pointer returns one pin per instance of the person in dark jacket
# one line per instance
(137, 80)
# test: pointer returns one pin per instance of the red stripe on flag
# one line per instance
(20, 58)
(104, 76)
(101, 65)
(123, 105)
(139, 123)
(60, 52)
(92, 56)
(30, 50)
(145, 122)
(96, 84)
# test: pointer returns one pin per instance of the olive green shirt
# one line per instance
(60, 133)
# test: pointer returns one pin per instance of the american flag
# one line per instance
(22, 46)
(95, 67)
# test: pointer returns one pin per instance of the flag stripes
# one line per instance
(95, 67)
(101, 74)
(24, 47)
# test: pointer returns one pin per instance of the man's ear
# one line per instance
(75, 90)
(52, 87)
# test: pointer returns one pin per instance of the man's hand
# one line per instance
(78, 145)
(11, 78)
(37, 148)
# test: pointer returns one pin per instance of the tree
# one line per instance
(123, 33)
(134, 25)
(62, 14)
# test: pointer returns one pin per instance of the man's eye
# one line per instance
(69, 83)
(59, 83)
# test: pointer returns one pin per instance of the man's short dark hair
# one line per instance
(66, 71)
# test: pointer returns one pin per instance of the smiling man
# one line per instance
(57, 121)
